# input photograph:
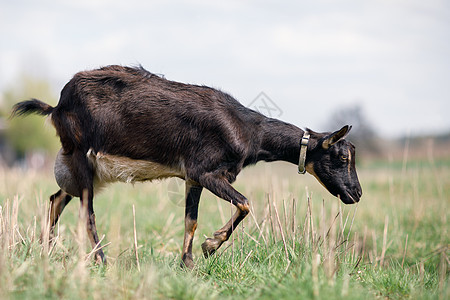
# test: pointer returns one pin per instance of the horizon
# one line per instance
(309, 59)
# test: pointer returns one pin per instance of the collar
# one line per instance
(303, 148)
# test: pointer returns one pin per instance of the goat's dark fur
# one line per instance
(200, 134)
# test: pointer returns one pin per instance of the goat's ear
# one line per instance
(336, 136)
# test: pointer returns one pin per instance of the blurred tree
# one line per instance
(362, 135)
(27, 135)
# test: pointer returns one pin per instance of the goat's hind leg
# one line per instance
(60, 199)
(84, 181)
(58, 202)
(87, 202)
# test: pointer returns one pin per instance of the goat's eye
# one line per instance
(343, 158)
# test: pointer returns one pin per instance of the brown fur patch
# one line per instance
(310, 169)
(349, 162)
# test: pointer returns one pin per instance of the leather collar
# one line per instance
(303, 147)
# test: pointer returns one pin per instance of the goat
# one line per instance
(126, 124)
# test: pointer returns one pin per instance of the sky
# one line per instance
(303, 60)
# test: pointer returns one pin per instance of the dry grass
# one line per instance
(297, 241)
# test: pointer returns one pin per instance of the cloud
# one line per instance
(384, 53)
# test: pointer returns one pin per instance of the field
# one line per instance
(299, 242)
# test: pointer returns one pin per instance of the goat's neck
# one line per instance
(279, 141)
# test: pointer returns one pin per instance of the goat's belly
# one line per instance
(111, 168)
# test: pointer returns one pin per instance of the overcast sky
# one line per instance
(310, 58)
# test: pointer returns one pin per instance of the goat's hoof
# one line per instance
(100, 259)
(187, 262)
(210, 246)
(50, 238)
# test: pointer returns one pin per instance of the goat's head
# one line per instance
(331, 159)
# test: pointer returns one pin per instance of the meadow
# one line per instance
(299, 242)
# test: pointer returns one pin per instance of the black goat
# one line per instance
(126, 124)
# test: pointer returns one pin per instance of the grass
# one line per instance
(298, 242)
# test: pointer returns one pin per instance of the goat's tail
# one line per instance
(30, 107)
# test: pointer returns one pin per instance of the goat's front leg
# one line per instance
(193, 192)
(222, 188)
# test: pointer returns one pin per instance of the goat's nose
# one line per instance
(359, 192)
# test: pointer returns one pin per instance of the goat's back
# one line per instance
(133, 113)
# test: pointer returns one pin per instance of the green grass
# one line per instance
(298, 243)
